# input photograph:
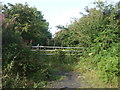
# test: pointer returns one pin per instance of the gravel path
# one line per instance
(71, 80)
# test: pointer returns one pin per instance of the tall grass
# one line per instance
(32, 70)
(101, 71)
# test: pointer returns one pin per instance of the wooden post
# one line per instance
(38, 46)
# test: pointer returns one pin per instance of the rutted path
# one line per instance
(71, 80)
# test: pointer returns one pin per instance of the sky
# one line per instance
(58, 12)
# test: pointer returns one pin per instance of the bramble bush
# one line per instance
(98, 32)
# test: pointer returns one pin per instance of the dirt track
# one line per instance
(71, 80)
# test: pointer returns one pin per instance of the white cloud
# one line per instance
(63, 19)
(58, 18)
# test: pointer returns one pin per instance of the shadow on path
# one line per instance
(71, 80)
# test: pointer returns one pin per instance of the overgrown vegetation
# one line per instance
(23, 68)
(22, 27)
(98, 32)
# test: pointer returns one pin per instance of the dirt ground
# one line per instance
(71, 80)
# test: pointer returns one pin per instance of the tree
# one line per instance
(21, 25)
(98, 32)
(28, 22)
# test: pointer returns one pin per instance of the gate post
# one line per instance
(37, 46)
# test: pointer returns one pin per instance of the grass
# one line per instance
(51, 65)
(86, 68)
(58, 64)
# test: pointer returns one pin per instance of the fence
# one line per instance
(50, 50)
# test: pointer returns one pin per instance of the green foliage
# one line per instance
(98, 32)
(28, 22)
(21, 66)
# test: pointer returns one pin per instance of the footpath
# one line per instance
(71, 80)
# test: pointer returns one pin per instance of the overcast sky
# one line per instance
(58, 12)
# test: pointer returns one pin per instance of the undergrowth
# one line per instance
(32, 70)
(100, 69)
